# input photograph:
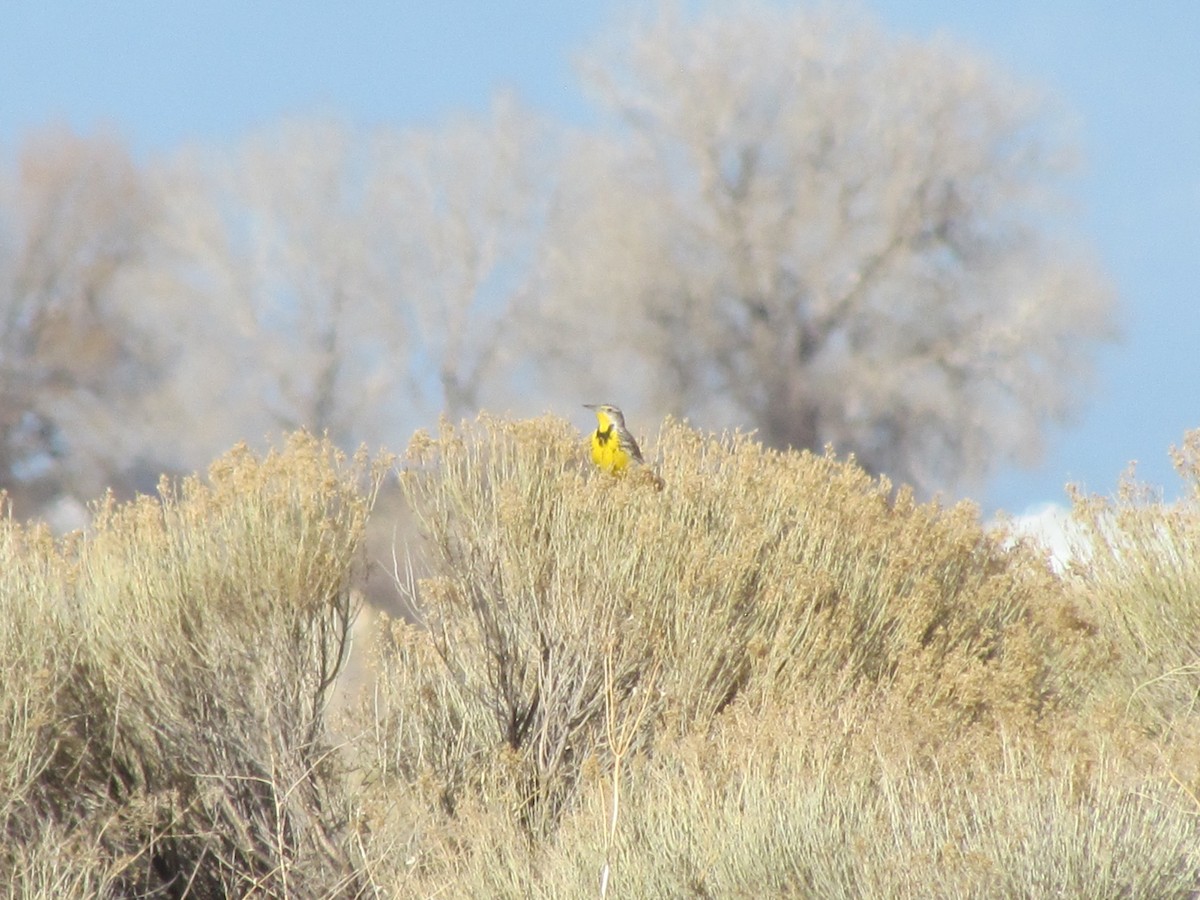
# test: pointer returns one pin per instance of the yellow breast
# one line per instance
(607, 452)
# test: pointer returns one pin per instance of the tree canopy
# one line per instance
(788, 220)
(799, 221)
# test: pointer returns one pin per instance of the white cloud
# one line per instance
(1050, 525)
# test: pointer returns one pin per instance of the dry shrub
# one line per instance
(812, 801)
(1138, 577)
(186, 727)
(776, 676)
(820, 800)
(39, 751)
(572, 620)
(62, 862)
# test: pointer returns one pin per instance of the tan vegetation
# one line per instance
(776, 677)
(163, 715)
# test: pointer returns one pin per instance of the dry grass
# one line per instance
(775, 677)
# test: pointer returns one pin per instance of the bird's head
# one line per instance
(606, 413)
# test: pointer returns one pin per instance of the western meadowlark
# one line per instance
(613, 447)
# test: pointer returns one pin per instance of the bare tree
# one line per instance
(795, 221)
(346, 282)
(74, 216)
(462, 211)
(281, 314)
(837, 235)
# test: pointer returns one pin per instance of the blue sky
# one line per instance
(164, 73)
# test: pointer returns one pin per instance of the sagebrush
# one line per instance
(777, 676)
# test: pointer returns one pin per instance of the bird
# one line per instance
(613, 447)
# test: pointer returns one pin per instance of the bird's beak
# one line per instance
(591, 406)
